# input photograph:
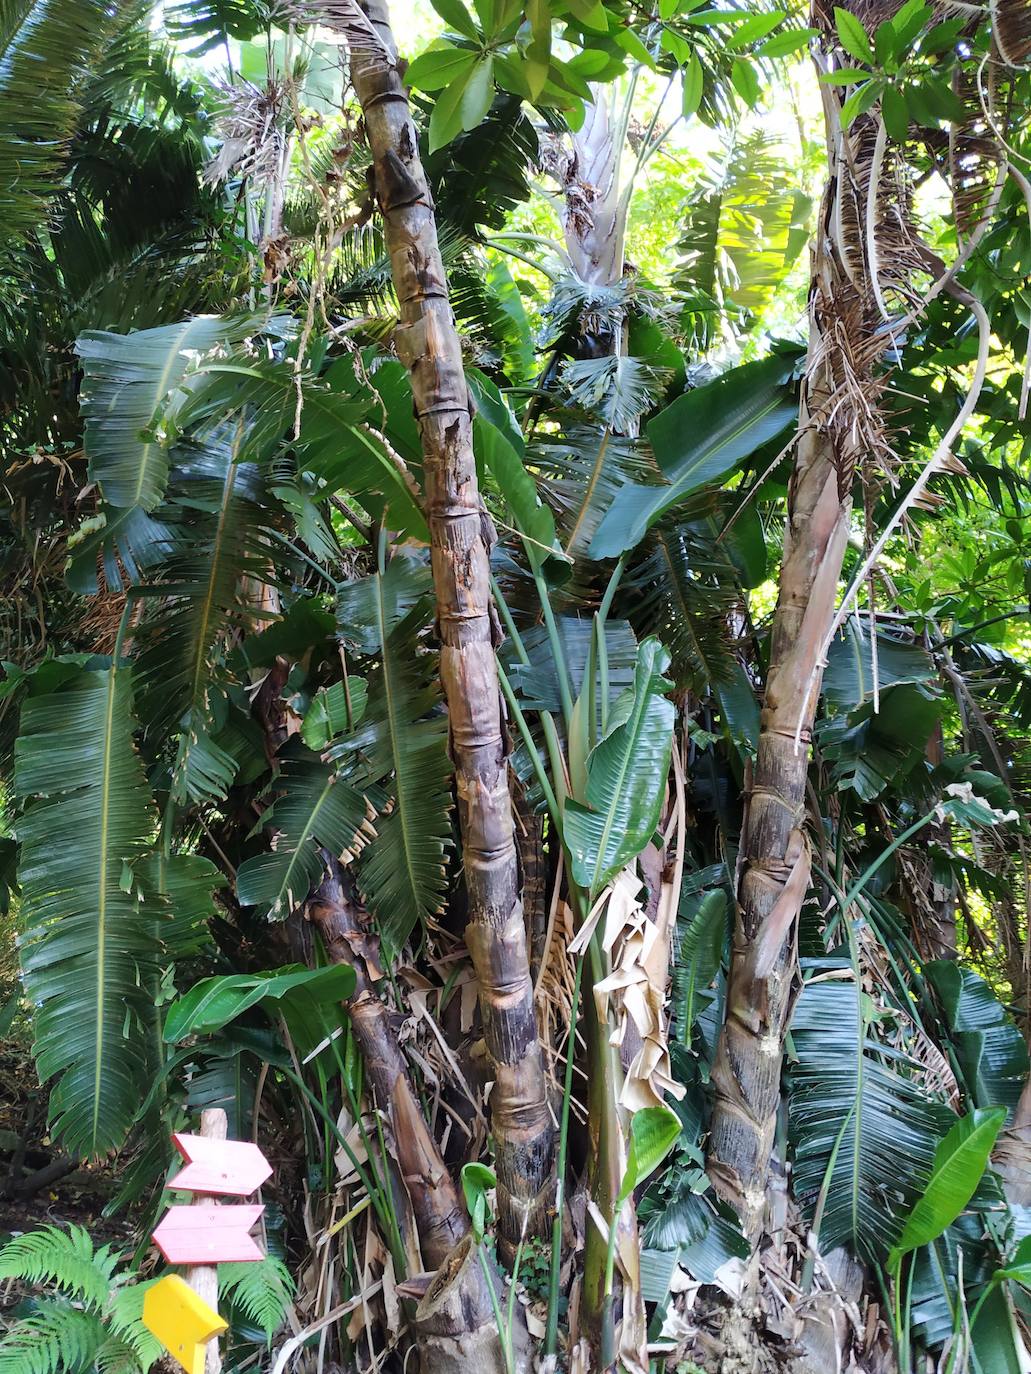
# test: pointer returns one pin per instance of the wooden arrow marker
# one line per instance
(182, 1322)
(219, 1166)
(208, 1235)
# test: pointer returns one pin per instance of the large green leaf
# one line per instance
(698, 440)
(959, 1162)
(400, 744)
(89, 953)
(46, 49)
(221, 509)
(181, 886)
(851, 1105)
(991, 1051)
(213, 1003)
(626, 777)
(126, 382)
(701, 936)
(314, 807)
(848, 678)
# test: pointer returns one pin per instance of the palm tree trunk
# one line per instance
(774, 854)
(428, 344)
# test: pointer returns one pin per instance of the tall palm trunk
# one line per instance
(839, 428)
(428, 344)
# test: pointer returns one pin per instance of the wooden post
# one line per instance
(203, 1278)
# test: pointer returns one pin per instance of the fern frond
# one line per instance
(55, 1339)
(65, 1258)
(262, 1291)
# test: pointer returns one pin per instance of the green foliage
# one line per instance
(93, 1322)
(861, 1128)
(89, 952)
(261, 1292)
(626, 774)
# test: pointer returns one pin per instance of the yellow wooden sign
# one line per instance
(181, 1321)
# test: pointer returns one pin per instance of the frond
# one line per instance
(313, 807)
(55, 1339)
(129, 1339)
(401, 744)
(203, 27)
(63, 1257)
(262, 1292)
(46, 47)
(860, 1126)
(221, 512)
(681, 591)
(88, 953)
(580, 474)
(181, 887)
(617, 388)
(127, 379)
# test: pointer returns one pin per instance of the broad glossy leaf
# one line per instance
(653, 1133)
(213, 1003)
(848, 677)
(699, 439)
(959, 1162)
(626, 777)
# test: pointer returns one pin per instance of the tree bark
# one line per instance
(439, 1215)
(774, 855)
(428, 344)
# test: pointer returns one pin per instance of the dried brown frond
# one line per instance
(1011, 30)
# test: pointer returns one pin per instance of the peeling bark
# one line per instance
(428, 344)
(439, 1215)
(773, 864)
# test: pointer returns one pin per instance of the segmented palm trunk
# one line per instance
(439, 1216)
(428, 344)
(774, 853)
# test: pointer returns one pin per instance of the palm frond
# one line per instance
(181, 886)
(46, 47)
(88, 952)
(313, 807)
(684, 593)
(126, 382)
(401, 744)
(861, 1127)
(617, 388)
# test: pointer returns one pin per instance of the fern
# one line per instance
(65, 1259)
(56, 1339)
(262, 1291)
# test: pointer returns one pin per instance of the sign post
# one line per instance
(183, 1312)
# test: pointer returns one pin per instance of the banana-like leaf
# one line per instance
(314, 807)
(626, 777)
(698, 440)
(848, 678)
(401, 744)
(46, 49)
(126, 382)
(991, 1051)
(849, 1104)
(959, 1162)
(181, 886)
(213, 1003)
(221, 509)
(89, 954)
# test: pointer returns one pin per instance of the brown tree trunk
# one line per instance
(839, 428)
(439, 1215)
(428, 344)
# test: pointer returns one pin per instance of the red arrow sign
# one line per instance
(219, 1166)
(208, 1235)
